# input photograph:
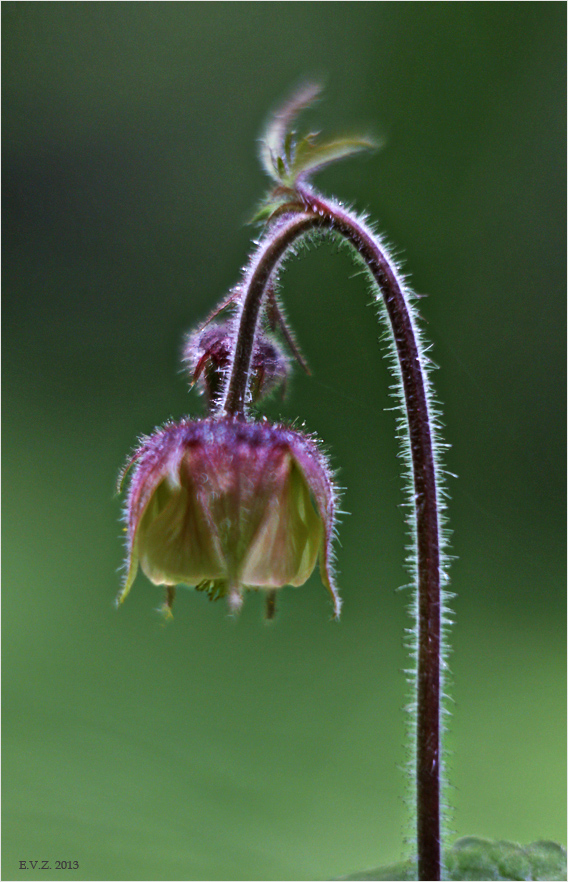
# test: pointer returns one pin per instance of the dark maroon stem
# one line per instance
(271, 251)
(427, 535)
(319, 213)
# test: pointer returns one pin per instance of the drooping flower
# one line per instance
(225, 505)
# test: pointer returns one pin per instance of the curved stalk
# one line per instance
(314, 212)
(262, 266)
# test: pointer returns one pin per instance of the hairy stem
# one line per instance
(263, 264)
(316, 213)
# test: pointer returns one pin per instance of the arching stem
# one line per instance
(315, 213)
(263, 264)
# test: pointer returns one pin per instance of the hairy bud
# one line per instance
(207, 354)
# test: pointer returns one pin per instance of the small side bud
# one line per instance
(207, 354)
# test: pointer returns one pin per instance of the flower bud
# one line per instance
(224, 505)
(207, 354)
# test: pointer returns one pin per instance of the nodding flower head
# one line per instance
(207, 355)
(224, 505)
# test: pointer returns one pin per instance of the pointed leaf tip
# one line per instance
(311, 156)
(277, 141)
(287, 159)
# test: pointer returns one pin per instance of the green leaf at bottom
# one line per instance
(471, 858)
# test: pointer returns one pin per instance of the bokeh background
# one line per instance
(214, 749)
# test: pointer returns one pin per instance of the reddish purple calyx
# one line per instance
(224, 505)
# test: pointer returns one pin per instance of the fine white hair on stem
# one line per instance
(418, 426)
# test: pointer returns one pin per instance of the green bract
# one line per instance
(288, 159)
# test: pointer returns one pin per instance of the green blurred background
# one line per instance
(219, 750)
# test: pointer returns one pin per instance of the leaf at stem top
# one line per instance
(310, 156)
(269, 205)
(278, 137)
(287, 159)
